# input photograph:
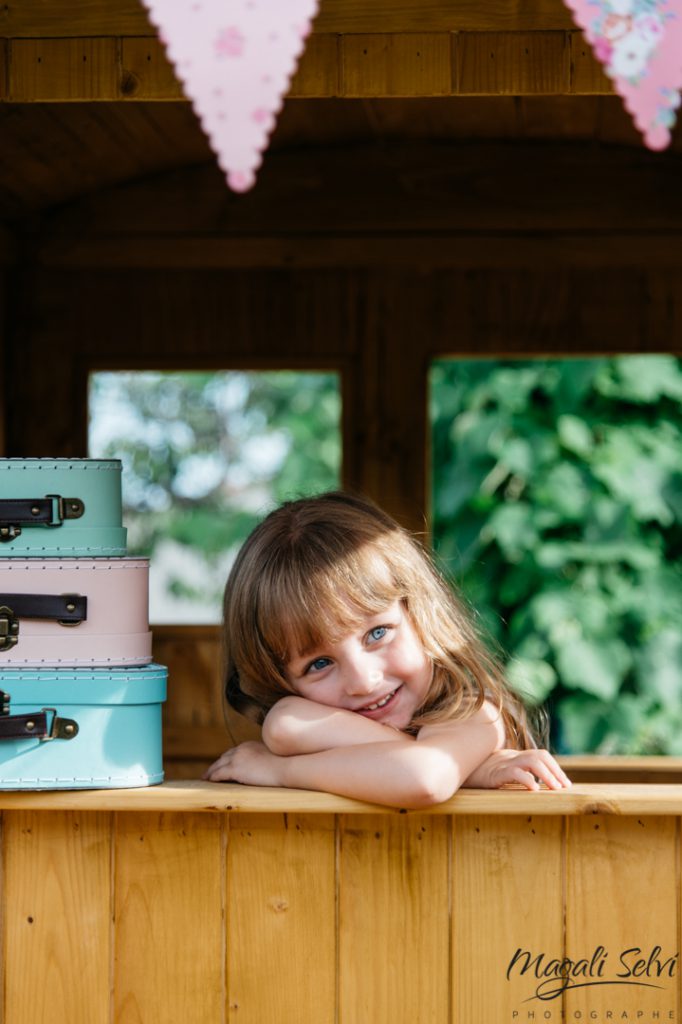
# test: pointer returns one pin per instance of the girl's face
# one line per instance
(379, 670)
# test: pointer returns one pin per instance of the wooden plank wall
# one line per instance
(130, 917)
(438, 249)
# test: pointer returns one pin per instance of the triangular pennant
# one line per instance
(639, 42)
(235, 59)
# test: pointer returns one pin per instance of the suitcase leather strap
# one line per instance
(66, 609)
(51, 510)
(41, 725)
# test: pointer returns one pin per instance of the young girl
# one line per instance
(367, 675)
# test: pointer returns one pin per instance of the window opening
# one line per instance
(205, 456)
(556, 505)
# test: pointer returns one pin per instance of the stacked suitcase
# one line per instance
(80, 700)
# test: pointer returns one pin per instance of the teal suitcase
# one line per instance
(74, 728)
(61, 507)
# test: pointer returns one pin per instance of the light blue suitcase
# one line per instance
(61, 507)
(81, 728)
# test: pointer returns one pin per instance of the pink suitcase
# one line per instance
(74, 612)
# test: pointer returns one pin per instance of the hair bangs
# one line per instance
(305, 606)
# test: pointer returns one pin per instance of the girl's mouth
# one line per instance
(378, 705)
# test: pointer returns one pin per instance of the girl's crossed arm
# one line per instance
(298, 725)
(402, 773)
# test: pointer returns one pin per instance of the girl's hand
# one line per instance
(249, 762)
(526, 767)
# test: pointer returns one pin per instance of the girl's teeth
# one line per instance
(379, 703)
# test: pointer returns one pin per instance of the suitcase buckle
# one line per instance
(9, 629)
(9, 532)
(61, 728)
(65, 508)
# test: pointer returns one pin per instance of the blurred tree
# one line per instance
(556, 508)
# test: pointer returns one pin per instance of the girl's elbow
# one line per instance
(279, 730)
(436, 780)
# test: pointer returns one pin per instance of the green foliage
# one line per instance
(557, 506)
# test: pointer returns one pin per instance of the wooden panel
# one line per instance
(127, 17)
(459, 251)
(146, 71)
(372, 64)
(393, 919)
(397, 189)
(516, 63)
(57, 917)
(587, 74)
(400, 65)
(169, 913)
(319, 68)
(506, 896)
(74, 69)
(197, 726)
(281, 955)
(7, 250)
(622, 906)
(196, 722)
(4, 67)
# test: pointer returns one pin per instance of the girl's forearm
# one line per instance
(399, 774)
(402, 773)
(296, 725)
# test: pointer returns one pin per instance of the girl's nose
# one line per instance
(362, 678)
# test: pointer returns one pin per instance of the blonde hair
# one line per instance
(312, 571)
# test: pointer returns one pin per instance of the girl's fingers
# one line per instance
(556, 769)
(548, 771)
(219, 770)
(525, 778)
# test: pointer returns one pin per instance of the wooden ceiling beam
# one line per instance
(445, 251)
(539, 63)
(54, 18)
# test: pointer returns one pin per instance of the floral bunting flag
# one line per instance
(235, 59)
(639, 42)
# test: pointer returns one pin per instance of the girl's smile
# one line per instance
(379, 670)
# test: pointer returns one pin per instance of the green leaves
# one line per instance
(560, 516)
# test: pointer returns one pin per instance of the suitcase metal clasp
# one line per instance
(65, 508)
(9, 628)
(61, 728)
(9, 532)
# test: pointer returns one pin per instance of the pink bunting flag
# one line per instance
(235, 59)
(639, 42)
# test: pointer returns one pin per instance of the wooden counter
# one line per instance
(198, 902)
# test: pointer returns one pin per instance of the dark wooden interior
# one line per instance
(395, 219)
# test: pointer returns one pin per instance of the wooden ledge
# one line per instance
(193, 796)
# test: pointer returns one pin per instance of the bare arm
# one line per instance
(400, 774)
(298, 725)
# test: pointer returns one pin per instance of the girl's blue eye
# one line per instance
(318, 665)
(378, 633)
